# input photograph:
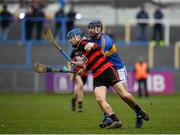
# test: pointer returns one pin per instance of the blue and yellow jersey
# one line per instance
(109, 49)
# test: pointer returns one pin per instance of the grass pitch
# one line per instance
(51, 114)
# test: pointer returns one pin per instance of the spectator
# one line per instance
(141, 71)
(40, 16)
(158, 28)
(29, 24)
(71, 15)
(142, 15)
(5, 18)
(58, 16)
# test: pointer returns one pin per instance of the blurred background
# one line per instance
(146, 28)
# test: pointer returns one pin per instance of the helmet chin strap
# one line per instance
(97, 31)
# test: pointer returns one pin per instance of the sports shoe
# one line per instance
(106, 122)
(73, 104)
(115, 124)
(139, 121)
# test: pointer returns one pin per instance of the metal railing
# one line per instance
(50, 23)
(166, 24)
(32, 20)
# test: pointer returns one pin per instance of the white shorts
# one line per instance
(122, 74)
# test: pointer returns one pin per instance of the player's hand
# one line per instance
(39, 68)
(77, 63)
(89, 46)
(73, 63)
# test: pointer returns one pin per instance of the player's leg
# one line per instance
(123, 79)
(79, 92)
(113, 122)
(122, 90)
(129, 99)
(106, 120)
(73, 100)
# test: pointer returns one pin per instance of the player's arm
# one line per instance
(79, 63)
(89, 46)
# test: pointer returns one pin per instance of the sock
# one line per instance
(74, 102)
(80, 104)
(138, 114)
(113, 117)
(74, 99)
(137, 108)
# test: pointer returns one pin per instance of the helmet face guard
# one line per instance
(95, 23)
(74, 32)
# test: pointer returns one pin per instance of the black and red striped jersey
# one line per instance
(96, 60)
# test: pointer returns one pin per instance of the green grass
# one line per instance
(51, 113)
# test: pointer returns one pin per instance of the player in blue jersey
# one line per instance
(107, 45)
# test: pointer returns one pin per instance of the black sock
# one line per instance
(105, 114)
(113, 117)
(137, 108)
(80, 104)
(73, 101)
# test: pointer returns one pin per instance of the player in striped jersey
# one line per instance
(108, 47)
(79, 80)
(104, 74)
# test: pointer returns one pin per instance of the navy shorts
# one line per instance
(108, 77)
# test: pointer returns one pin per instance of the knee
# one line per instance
(100, 99)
